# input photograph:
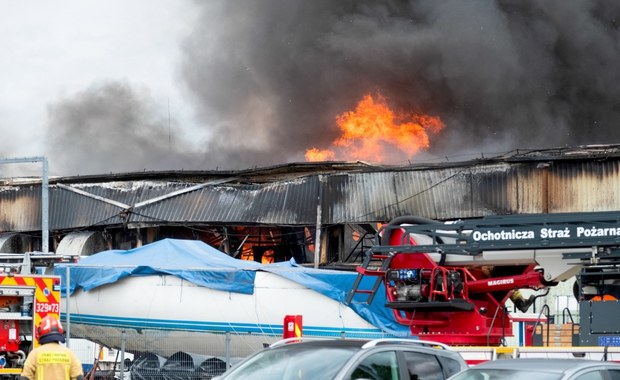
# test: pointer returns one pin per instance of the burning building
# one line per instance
(323, 211)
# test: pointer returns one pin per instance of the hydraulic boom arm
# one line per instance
(464, 271)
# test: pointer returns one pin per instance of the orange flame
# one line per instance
(372, 131)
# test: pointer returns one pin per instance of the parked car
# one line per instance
(541, 369)
(336, 359)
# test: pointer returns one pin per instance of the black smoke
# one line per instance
(500, 74)
(112, 127)
(267, 79)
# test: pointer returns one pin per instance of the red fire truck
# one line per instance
(450, 281)
(25, 298)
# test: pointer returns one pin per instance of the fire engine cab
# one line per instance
(25, 298)
(450, 281)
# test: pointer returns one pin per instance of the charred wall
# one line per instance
(269, 205)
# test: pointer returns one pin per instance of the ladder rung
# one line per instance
(370, 272)
(364, 271)
(379, 256)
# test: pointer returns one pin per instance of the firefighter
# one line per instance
(51, 360)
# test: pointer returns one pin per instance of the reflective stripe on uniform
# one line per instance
(52, 357)
(51, 365)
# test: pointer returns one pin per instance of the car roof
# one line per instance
(303, 343)
(543, 364)
(361, 343)
(354, 343)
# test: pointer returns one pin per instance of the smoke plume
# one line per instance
(268, 78)
(111, 128)
(273, 75)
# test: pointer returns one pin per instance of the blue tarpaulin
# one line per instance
(201, 264)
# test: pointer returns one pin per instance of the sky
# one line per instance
(120, 86)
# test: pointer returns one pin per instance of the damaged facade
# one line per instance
(293, 210)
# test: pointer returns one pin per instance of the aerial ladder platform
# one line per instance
(450, 281)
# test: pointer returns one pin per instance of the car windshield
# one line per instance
(294, 362)
(505, 374)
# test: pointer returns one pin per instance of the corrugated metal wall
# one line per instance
(368, 195)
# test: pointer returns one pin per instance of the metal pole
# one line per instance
(319, 209)
(44, 195)
(45, 204)
(227, 350)
(67, 313)
(122, 366)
